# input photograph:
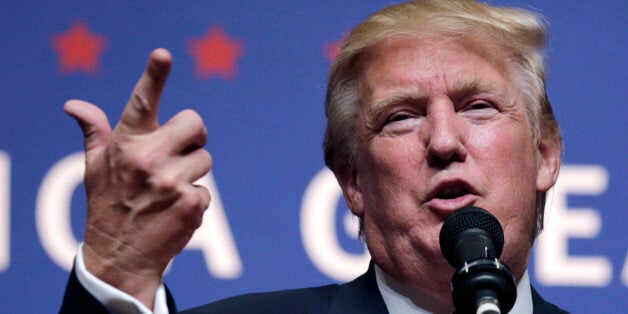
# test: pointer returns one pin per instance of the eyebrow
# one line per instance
(477, 85)
(458, 90)
(410, 95)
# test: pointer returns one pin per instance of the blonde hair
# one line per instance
(519, 33)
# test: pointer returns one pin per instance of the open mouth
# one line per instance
(451, 190)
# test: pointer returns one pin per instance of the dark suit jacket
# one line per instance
(358, 296)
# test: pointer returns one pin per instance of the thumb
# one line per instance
(92, 120)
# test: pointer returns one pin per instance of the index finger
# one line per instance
(140, 113)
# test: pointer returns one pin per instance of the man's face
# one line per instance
(441, 126)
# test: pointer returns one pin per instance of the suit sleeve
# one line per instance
(77, 299)
(85, 291)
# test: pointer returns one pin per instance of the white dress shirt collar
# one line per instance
(400, 304)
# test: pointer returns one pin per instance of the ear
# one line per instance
(549, 151)
(351, 189)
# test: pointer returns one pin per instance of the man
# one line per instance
(431, 106)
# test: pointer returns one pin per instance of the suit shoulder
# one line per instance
(543, 307)
(305, 300)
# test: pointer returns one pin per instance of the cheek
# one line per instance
(505, 150)
(390, 170)
(392, 156)
(508, 161)
(484, 139)
(389, 175)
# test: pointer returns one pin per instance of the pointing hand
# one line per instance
(142, 204)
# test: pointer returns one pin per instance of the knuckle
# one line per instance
(203, 134)
(141, 165)
(166, 184)
(192, 115)
(194, 203)
(205, 197)
(195, 122)
(141, 103)
(136, 157)
(207, 202)
(123, 160)
(190, 217)
(206, 160)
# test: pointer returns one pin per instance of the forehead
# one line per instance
(425, 62)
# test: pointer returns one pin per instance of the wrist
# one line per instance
(141, 285)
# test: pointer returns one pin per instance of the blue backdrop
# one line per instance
(255, 70)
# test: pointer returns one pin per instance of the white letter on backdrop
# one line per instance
(318, 230)
(52, 214)
(5, 211)
(624, 272)
(554, 265)
(214, 237)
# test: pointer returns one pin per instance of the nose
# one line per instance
(444, 140)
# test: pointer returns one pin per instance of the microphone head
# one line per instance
(468, 228)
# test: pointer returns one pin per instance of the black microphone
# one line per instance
(472, 240)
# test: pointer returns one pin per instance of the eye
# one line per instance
(478, 105)
(401, 122)
(399, 117)
(480, 110)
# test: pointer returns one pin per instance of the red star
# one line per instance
(331, 50)
(216, 54)
(79, 49)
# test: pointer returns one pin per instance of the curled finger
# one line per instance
(185, 131)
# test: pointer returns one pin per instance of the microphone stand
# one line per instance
(483, 286)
